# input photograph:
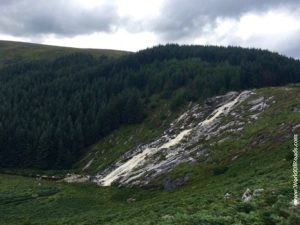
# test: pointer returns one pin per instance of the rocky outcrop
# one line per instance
(183, 141)
(76, 178)
(46, 177)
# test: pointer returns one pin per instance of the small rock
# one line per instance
(247, 195)
(76, 178)
(34, 195)
(167, 217)
(259, 107)
(295, 204)
(227, 196)
(131, 200)
(258, 192)
(256, 101)
(234, 158)
(296, 110)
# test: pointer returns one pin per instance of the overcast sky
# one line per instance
(136, 24)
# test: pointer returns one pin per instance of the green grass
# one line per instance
(201, 201)
(15, 52)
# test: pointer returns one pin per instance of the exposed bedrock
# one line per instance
(182, 141)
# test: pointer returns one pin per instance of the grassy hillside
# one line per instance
(17, 52)
(57, 102)
(264, 160)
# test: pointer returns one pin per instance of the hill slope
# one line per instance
(214, 134)
(52, 110)
(16, 52)
(246, 145)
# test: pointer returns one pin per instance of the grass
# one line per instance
(13, 52)
(200, 202)
(266, 165)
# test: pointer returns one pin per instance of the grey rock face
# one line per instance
(182, 141)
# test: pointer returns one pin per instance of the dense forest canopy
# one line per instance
(51, 110)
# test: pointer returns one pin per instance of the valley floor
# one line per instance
(29, 201)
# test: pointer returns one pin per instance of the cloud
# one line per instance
(276, 30)
(268, 24)
(136, 24)
(120, 40)
(66, 18)
(181, 18)
(291, 46)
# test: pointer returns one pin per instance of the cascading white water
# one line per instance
(127, 169)
(223, 109)
(132, 163)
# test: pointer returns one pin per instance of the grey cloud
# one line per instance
(291, 46)
(181, 18)
(293, 52)
(180, 21)
(31, 17)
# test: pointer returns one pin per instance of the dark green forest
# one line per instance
(51, 110)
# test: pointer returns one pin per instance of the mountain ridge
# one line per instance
(16, 52)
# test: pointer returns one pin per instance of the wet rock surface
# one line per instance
(182, 142)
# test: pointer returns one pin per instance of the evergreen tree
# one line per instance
(51, 110)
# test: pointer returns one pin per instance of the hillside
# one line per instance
(53, 111)
(197, 171)
(16, 52)
(168, 135)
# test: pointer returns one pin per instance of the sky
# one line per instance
(137, 24)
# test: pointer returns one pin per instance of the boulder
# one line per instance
(247, 195)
